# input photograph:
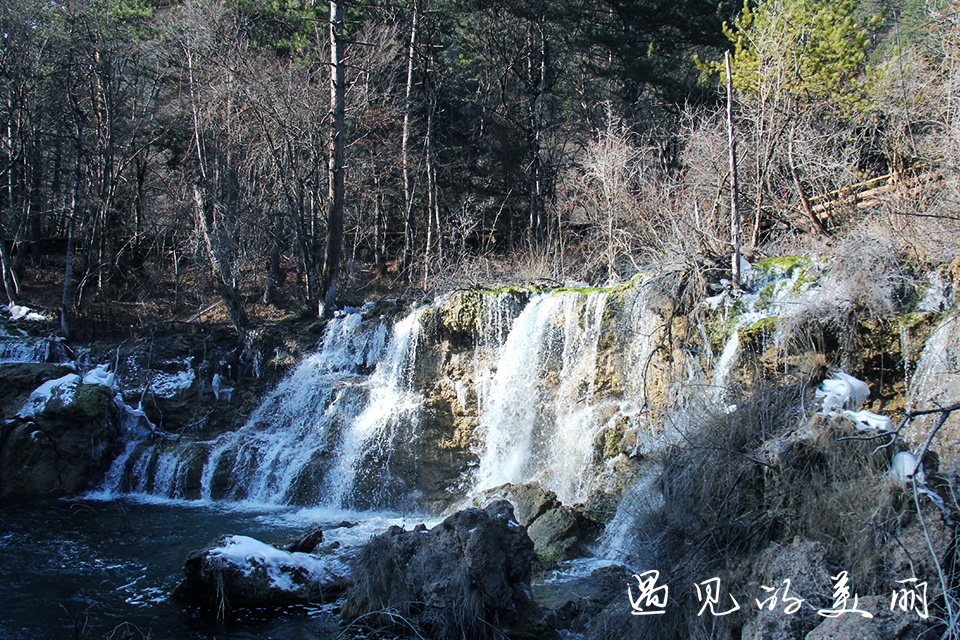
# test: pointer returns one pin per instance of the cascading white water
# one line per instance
(307, 439)
(285, 452)
(722, 372)
(393, 404)
(537, 417)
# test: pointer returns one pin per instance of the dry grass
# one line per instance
(768, 473)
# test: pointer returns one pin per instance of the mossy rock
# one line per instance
(755, 334)
(608, 443)
(93, 400)
(781, 265)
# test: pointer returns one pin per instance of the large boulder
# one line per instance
(883, 625)
(19, 379)
(559, 532)
(804, 564)
(239, 570)
(59, 441)
(468, 577)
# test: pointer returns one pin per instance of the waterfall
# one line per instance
(719, 385)
(537, 417)
(340, 410)
(305, 442)
(393, 404)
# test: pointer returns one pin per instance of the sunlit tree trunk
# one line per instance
(408, 237)
(334, 248)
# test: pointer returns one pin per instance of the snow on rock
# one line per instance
(62, 389)
(167, 385)
(243, 570)
(102, 375)
(840, 392)
(19, 312)
(906, 467)
(867, 421)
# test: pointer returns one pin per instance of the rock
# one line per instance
(804, 563)
(558, 534)
(307, 542)
(558, 531)
(60, 440)
(18, 379)
(464, 577)
(884, 625)
(571, 604)
(238, 570)
(908, 555)
(310, 541)
(530, 501)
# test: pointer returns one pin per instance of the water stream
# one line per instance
(551, 373)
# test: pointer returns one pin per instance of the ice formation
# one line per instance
(840, 392)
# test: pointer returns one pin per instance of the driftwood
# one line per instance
(875, 191)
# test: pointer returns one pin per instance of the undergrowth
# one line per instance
(768, 475)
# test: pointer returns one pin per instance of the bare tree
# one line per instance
(334, 246)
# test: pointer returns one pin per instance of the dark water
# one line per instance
(89, 569)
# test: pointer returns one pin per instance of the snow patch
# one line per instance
(62, 388)
(19, 312)
(907, 467)
(101, 375)
(248, 554)
(840, 392)
(868, 421)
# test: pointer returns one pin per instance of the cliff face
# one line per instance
(744, 434)
(575, 388)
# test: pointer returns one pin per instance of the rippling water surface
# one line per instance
(95, 569)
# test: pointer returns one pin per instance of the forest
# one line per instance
(238, 160)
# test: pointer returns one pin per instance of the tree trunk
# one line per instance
(734, 187)
(804, 200)
(11, 285)
(334, 248)
(65, 301)
(213, 245)
(408, 238)
(432, 210)
(536, 133)
(273, 273)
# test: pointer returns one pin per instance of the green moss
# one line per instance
(804, 278)
(462, 316)
(610, 438)
(617, 288)
(918, 319)
(760, 328)
(551, 554)
(781, 265)
(92, 399)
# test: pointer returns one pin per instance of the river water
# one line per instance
(86, 569)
